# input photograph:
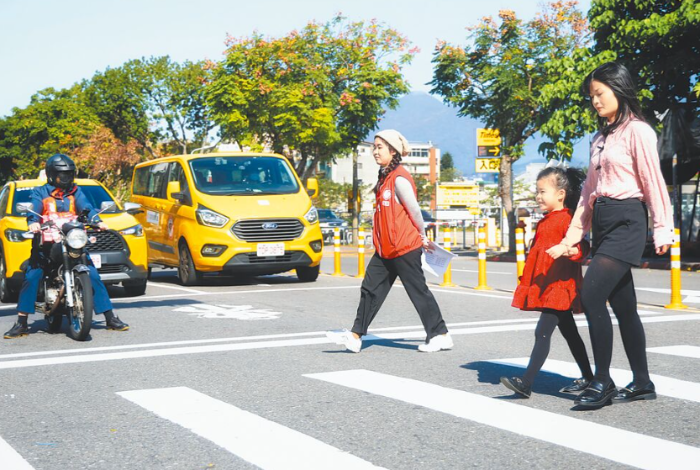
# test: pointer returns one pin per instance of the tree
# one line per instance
(332, 195)
(448, 172)
(497, 77)
(424, 188)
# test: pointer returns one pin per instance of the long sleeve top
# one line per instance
(406, 196)
(625, 165)
(41, 193)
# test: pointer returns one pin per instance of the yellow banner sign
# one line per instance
(486, 137)
(456, 194)
(488, 165)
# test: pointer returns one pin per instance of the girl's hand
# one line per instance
(662, 249)
(557, 250)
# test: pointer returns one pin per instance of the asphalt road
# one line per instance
(238, 374)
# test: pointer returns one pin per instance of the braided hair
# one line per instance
(384, 172)
(570, 180)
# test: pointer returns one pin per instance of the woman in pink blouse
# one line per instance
(624, 179)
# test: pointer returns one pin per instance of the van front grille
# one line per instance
(268, 230)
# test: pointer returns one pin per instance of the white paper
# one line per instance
(435, 262)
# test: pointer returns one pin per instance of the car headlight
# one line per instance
(344, 224)
(311, 216)
(14, 235)
(136, 230)
(77, 238)
(210, 218)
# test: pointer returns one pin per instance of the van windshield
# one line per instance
(228, 176)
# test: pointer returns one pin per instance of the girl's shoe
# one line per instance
(517, 385)
(577, 386)
(437, 343)
(346, 338)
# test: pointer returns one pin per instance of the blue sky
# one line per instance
(56, 43)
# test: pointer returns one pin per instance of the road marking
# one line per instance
(10, 458)
(263, 443)
(236, 312)
(476, 271)
(693, 296)
(610, 443)
(167, 286)
(667, 386)
(681, 351)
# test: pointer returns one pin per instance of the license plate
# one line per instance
(270, 249)
(96, 260)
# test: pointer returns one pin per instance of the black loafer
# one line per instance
(517, 385)
(596, 395)
(634, 392)
(577, 386)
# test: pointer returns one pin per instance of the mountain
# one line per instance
(421, 117)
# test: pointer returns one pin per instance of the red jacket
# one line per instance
(394, 232)
(546, 282)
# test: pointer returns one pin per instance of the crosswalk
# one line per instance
(273, 446)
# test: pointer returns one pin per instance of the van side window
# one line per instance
(141, 180)
(178, 174)
(4, 196)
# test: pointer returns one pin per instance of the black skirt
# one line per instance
(620, 229)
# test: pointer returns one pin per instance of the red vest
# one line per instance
(394, 232)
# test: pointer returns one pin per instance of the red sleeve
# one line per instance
(583, 249)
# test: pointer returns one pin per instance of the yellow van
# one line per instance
(244, 213)
(119, 254)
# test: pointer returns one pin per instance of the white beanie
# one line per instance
(396, 140)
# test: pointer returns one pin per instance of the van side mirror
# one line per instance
(174, 194)
(133, 208)
(312, 187)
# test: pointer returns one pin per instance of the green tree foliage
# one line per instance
(448, 172)
(332, 195)
(425, 190)
(499, 75)
(315, 93)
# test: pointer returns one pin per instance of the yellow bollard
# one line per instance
(520, 251)
(676, 302)
(361, 253)
(447, 245)
(336, 244)
(482, 261)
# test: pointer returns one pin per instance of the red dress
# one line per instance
(549, 283)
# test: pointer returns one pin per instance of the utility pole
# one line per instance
(355, 205)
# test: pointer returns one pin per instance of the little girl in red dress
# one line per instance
(553, 286)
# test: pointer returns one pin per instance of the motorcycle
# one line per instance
(66, 287)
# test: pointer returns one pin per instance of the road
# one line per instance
(238, 374)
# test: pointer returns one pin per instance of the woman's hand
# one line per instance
(662, 249)
(427, 245)
(557, 250)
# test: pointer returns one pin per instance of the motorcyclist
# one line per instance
(59, 195)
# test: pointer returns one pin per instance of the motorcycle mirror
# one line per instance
(107, 205)
(24, 207)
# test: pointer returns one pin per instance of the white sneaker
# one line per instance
(346, 338)
(437, 343)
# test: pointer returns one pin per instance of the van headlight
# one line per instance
(136, 230)
(311, 216)
(77, 238)
(210, 218)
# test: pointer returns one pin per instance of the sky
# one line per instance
(52, 43)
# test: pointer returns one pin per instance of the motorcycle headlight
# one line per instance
(136, 230)
(210, 218)
(76, 238)
(311, 216)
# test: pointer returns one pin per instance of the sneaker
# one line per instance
(116, 324)
(577, 386)
(517, 385)
(437, 343)
(346, 338)
(17, 331)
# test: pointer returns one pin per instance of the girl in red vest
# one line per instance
(399, 238)
(551, 286)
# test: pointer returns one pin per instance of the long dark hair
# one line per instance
(384, 172)
(619, 79)
(570, 180)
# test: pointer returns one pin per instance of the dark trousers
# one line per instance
(30, 289)
(380, 276)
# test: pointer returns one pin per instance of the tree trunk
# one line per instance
(505, 191)
(301, 166)
(309, 170)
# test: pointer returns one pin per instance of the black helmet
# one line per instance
(60, 171)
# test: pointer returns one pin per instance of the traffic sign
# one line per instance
(488, 165)
(486, 137)
(489, 151)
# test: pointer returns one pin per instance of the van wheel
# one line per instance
(186, 271)
(308, 274)
(7, 294)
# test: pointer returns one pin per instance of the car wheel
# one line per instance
(7, 293)
(186, 271)
(135, 289)
(308, 274)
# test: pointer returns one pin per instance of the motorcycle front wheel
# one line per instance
(80, 315)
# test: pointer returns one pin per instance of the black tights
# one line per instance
(608, 279)
(549, 320)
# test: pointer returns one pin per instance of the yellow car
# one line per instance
(119, 254)
(244, 213)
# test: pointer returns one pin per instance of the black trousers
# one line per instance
(380, 276)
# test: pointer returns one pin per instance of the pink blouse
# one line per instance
(625, 165)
